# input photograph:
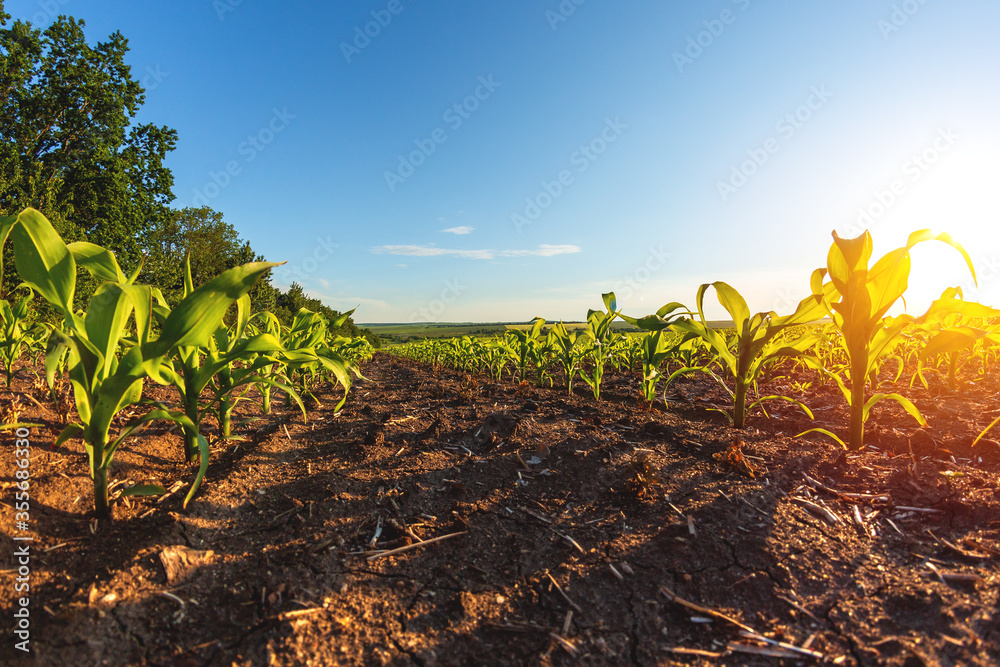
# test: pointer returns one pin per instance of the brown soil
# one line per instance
(560, 504)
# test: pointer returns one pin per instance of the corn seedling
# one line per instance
(522, 346)
(568, 353)
(857, 299)
(601, 338)
(655, 350)
(309, 356)
(754, 344)
(17, 336)
(106, 371)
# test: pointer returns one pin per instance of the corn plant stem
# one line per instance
(265, 404)
(740, 403)
(859, 361)
(225, 411)
(225, 417)
(100, 484)
(191, 410)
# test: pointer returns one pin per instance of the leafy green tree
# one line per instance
(213, 245)
(68, 144)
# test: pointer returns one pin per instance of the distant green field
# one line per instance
(401, 332)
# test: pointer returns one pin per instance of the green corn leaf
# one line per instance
(887, 281)
(610, 301)
(12, 427)
(71, 431)
(910, 408)
(951, 340)
(339, 322)
(99, 262)
(724, 413)
(825, 432)
(731, 300)
(197, 316)
(43, 260)
(107, 315)
(802, 406)
(986, 430)
(7, 223)
(848, 256)
(202, 469)
(670, 308)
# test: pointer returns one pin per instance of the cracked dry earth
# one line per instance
(576, 532)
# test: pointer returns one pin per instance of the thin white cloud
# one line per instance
(463, 229)
(544, 250)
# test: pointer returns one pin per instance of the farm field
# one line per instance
(570, 517)
(409, 334)
(197, 483)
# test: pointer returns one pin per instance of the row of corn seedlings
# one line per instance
(127, 333)
(841, 330)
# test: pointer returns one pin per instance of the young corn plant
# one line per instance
(522, 345)
(857, 298)
(567, 353)
(242, 361)
(601, 338)
(269, 324)
(17, 336)
(495, 358)
(309, 356)
(105, 369)
(952, 333)
(655, 349)
(541, 359)
(229, 361)
(754, 344)
(631, 351)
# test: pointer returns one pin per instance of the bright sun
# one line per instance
(957, 197)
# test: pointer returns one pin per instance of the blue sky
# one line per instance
(493, 161)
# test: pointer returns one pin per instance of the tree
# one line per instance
(214, 246)
(68, 146)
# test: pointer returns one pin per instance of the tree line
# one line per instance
(71, 148)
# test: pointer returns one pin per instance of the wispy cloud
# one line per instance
(463, 229)
(543, 250)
